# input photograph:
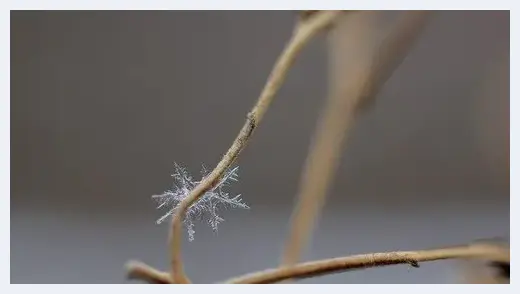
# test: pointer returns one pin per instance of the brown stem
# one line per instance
(139, 271)
(304, 33)
(492, 252)
(363, 261)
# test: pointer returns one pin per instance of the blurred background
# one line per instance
(103, 103)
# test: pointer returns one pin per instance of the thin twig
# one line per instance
(139, 271)
(490, 252)
(353, 87)
(363, 261)
(305, 32)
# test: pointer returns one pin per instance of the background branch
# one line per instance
(393, 50)
(351, 37)
(355, 78)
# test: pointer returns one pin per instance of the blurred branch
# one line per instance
(393, 50)
(356, 75)
(349, 41)
(491, 271)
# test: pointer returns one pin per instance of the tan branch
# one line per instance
(363, 261)
(139, 271)
(304, 33)
(355, 78)
(493, 252)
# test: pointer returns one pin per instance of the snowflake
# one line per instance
(206, 207)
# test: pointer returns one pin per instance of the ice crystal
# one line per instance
(206, 207)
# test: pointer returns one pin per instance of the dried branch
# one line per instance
(492, 252)
(363, 261)
(139, 271)
(303, 34)
(356, 77)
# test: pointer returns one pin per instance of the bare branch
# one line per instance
(363, 261)
(490, 252)
(304, 33)
(139, 271)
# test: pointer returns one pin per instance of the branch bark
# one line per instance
(304, 33)
(363, 261)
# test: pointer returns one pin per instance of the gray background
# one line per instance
(102, 104)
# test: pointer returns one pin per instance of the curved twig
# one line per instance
(303, 34)
(363, 261)
(139, 271)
